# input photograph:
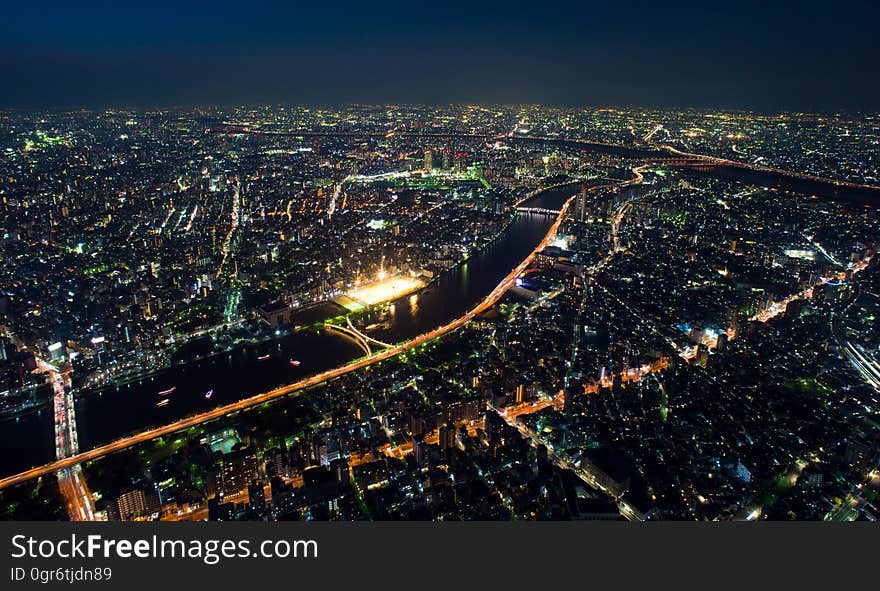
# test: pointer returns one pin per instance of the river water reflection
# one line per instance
(108, 414)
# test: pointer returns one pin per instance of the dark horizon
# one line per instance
(750, 57)
(189, 108)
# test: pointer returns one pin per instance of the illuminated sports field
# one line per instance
(385, 289)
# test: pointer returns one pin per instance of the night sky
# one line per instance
(808, 55)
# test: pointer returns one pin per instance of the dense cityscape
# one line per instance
(439, 313)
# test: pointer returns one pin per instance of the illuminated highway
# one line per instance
(216, 413)
(71, 483)
(713, 160)
(77, 497)
(693, 159)
(72, 460)
(537, 210)
(861, 359)
(867, 365)
(586, 471)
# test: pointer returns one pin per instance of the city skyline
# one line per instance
(450, 261)
(458, 312)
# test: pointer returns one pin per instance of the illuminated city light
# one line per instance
(385, 289)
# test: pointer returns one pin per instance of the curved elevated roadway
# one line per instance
(226, 409)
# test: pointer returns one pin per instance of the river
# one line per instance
(110, 413)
